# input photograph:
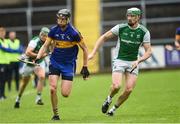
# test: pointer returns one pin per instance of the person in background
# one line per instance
(14, 44)
(3, 62)
(176, 41)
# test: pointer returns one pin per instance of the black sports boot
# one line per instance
(106, 104)
(39, 102)
(17, 105)
(55, 117)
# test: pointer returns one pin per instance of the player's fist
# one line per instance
(37, 61)
(85, 72)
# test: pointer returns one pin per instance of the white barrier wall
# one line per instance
(157, 60)
(161, 58)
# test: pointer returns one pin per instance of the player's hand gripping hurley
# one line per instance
(23, 59)
(134, 66)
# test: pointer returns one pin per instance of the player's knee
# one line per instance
(128, 90)
(42, 77)
(115, 86)
(65, 94)
(52, 89)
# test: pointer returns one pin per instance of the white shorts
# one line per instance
(28, 70)
(123, 66)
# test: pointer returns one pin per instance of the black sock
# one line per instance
(55, 112)
(116, 106)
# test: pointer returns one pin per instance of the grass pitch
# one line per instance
(156, 98)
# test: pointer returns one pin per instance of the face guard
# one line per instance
(65, 13)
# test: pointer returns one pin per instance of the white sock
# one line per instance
(112, 109)
(109, 99)
(17, 99)
(38, 97)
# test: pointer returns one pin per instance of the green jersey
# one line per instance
(36, 44)
(129, 40)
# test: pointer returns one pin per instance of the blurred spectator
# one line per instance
(177, 41)
(14, 44)
(3, 62)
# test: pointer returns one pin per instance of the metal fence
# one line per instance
(25, 16)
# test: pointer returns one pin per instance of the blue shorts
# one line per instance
(66, 70)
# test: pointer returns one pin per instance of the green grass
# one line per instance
(156, 98)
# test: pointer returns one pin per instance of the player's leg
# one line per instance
(40, 72)
(26, 72)
(68, 70)
(118, 69)
(66, 85)
(23, 84)
(129, 86)
(53, 80)
(116, 83)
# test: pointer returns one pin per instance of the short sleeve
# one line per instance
(77, 36)
(147, 37)
(115, 30)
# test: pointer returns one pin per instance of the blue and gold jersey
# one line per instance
(66, 48)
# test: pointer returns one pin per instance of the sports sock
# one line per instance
(18, 98)
(114, 107)
(109, 99)
(55, 111)
(38, 96)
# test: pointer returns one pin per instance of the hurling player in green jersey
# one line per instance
(131, 36)
(27, 69)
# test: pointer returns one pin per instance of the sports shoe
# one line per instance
(39, 102)
(16, 105)
(112, 111)
(106, 104)
(55, 117)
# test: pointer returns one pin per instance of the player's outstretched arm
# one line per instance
(84, 70)
(99, 42)
(147, 54)
(43, 49)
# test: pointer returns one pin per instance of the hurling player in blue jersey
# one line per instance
(66, 40)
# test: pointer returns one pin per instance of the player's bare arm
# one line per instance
(108, 35)
(84, 70)
(44, 48)
(85, 52)
(146, 55)
(29, 52)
